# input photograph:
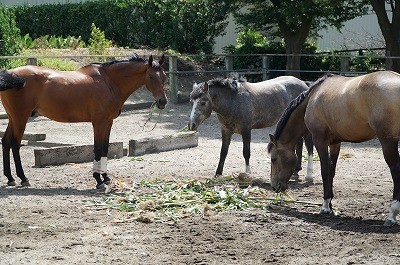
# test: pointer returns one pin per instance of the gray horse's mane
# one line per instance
(133, 58)
(295, 103)
(230, 83)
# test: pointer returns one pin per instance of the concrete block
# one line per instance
(30, 136)
(73, 154)
(163, 143)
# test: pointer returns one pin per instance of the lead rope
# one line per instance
(153, 107)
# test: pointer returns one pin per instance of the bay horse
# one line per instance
(94, 93)
(341, 109)
(242, 106)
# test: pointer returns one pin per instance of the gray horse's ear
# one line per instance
(162, 60)
(205, 87)
(272, 140)
(151, 60)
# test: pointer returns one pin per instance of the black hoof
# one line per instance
(12, 183)
(101, 186)
(106, 180)
(25, 183)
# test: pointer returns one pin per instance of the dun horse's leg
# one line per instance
(299, 153)
(328, 166)
(101, 141)
(391, 154)
(246, 138)
(226, 140)
(310, 150)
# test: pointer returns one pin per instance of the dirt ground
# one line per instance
(47, 223)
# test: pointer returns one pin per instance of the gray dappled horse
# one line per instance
(242, 106)
(341, 109)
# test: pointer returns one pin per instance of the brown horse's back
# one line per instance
(355, 109)
(64, 96)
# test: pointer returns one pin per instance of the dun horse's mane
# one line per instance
(295, 103)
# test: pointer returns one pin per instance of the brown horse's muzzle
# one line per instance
(161, 103)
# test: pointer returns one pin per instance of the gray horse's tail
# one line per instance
(8, 81)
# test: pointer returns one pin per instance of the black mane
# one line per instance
(133, 58)
(295, 103)
(230, 83)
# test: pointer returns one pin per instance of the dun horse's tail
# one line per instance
(8, 81)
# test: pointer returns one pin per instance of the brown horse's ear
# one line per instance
(205, 87)
(162, 60)
(151, 61)
(272, 140)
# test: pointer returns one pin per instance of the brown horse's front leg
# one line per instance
(101, 142)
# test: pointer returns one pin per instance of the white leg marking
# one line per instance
(310, 168)
(248, 169)
(393, 212)
(325, 206)
(100, 166)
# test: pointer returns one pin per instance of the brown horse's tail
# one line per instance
(8, 81)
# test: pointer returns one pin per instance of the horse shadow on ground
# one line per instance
(339, 222)
(6, 191)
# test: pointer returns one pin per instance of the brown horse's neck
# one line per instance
(126, 78)
(295, 127)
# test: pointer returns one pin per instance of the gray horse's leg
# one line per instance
(226, 140)
(246, 138)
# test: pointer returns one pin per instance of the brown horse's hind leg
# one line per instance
(12, 140)
(101, 142)
(391, 155)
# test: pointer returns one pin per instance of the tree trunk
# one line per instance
(390, 30)
(294, 41)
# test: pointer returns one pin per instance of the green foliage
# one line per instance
(9, 35)
(51, 42)
(188, 26)
(98, 44)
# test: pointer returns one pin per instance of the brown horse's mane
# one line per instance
(231, 83)
(133, 58)
(295, 103)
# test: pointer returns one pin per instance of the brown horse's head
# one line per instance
(283, 162)
(155, 79)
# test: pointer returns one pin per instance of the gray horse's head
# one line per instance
(201, 109)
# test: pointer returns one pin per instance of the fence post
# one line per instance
(228, 64)
(344, 64)
(32, 61)
(173, 79)
(265, 67)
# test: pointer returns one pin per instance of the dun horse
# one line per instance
(94, 93)
(341, 109)
(242, 106)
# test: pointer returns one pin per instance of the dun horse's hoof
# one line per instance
(12, 183)
(25, 184)
(390, 222)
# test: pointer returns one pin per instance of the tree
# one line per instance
(390, 29)
(296, 20)
(9, 35)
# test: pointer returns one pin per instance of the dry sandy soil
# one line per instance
(48, 222)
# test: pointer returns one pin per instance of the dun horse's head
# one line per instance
(283, 163)
(155, 80)
(201, 109)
